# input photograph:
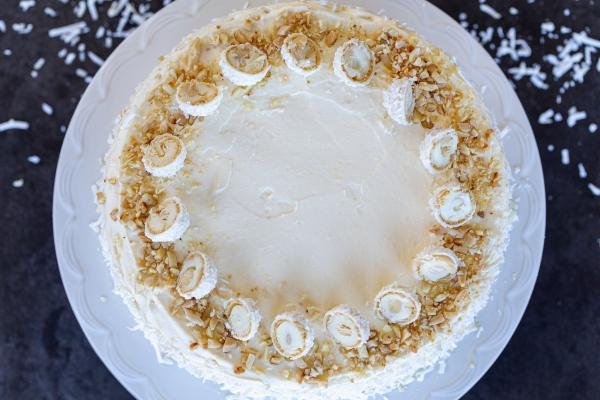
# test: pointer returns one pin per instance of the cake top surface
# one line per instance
(303, 191)
(302, 194)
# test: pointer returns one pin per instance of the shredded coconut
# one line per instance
(582, 171)
(34, 159)
(564, 157)
(47, 109)
(26, 4)
(490, 11)
(575, 116)
(594, 189)
(50, 12)
(11, 124)
(22, 28)
(545, 118)
(571, 57)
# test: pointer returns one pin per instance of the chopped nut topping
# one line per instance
(229, 345)
(100, 197)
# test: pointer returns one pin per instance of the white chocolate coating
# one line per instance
(301, 54)
(243, 318)
(244, 75)
(452, 205)
(438, 150)
(346, 326)
(292, 335)
(435, 263)
(353, 63)
(164, 156)
(399, 101)
(199, 99)
(397, 304)
(198, 276)
(167, 221)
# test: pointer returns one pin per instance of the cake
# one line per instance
(305, 200)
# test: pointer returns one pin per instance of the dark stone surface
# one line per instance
(44, 354)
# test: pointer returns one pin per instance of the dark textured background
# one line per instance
(43, 353)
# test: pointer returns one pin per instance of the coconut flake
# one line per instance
(545, 118)
(47, 109)
(582, 171)
(575, 116)
(12, 124)
(564, 157)
(35, 160)
(490, 11)
(594, 189)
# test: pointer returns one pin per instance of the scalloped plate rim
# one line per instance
(101, 339)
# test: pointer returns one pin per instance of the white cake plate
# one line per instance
(104, 318)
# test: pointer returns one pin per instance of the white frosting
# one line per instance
(438, 150)
(273, 187)
(353, 63)
(243, 75)
(346, 326)
(399, 101)
(164, 156)
(168, 221)
(452, 206)
(435, 263)
(198, 276)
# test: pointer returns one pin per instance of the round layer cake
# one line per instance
(305, 201)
